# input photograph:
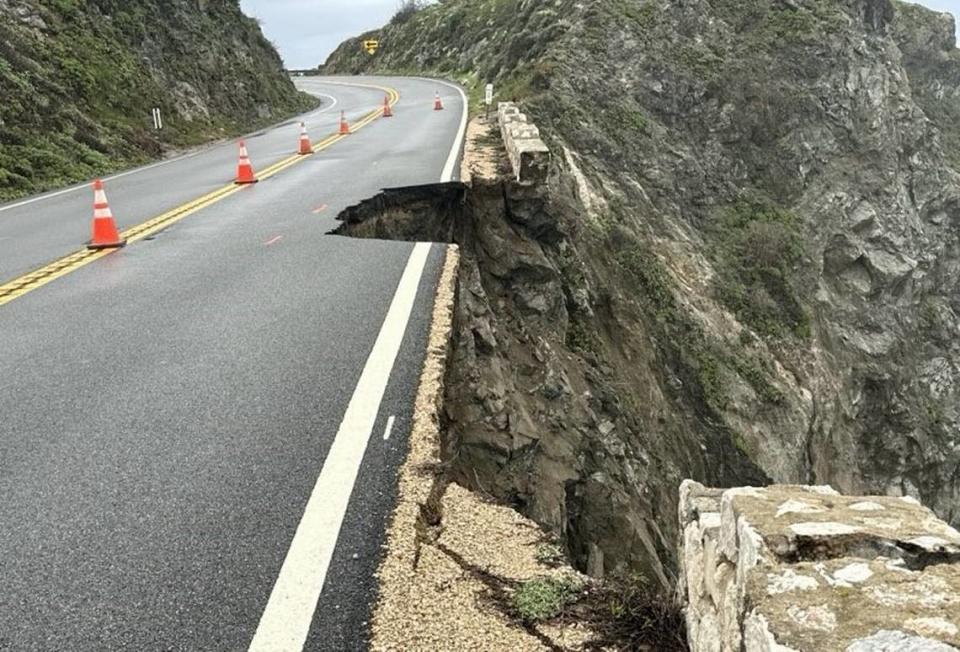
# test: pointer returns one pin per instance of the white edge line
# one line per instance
(286, 621)
(386, 434)
(448, 169)
(153, 166)
(324, 110)
(85, 185)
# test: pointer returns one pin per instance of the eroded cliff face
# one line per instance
(79, 79)
(743, 269)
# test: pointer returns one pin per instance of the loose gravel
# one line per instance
(447, 587)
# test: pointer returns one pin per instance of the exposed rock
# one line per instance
(823, 579)
(746, 258)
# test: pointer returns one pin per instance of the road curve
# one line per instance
(169, 408)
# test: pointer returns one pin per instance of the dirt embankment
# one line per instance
(533, 415)
(517, 412)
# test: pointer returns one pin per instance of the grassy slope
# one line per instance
(461, 40)
(79, 79)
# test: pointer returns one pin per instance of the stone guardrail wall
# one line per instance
(805, 569)
(528, 154)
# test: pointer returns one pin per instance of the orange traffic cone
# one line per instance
(245, 173)
(387, 110)
(438, 103)
(344, 125)
(105, 234)
(305, 146)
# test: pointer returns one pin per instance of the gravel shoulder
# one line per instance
(453, 559)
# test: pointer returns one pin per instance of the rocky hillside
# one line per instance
(79, 79)
(747, 268)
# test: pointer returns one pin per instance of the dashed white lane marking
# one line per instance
(389, 430)
(286, 620)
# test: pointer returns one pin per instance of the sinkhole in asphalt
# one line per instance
(425, 213)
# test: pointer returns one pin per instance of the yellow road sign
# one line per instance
(371, 46)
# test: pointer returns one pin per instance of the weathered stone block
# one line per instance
(506, 108)
(529, 156)
(521, 131)
(530, 160)
(806, 569)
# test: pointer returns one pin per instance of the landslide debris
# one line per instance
(79, 79)
(461, 572)
(743, 267)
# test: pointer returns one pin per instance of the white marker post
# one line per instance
(488, 99)
(157, 119)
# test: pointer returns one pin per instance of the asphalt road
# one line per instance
(169, 410)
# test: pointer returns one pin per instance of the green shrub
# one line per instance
(544, 598)
(582, 337)
(692, 348)
(758, 247)
(406, 10)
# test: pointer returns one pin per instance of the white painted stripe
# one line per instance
(286, 620)
(389, 430)
(326, 108)
(85, 186)
(448, 169)
(153, 166)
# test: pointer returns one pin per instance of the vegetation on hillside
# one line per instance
(752, 223)
(79, 79)
(759, 246)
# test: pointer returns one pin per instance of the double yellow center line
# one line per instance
(72, 262)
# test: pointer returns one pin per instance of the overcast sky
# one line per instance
(306, 31)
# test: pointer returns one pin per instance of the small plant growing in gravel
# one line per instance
(544, 598)
(550, 554)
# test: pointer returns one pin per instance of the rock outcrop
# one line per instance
(79, 79)
(743, 267)
(806, 569)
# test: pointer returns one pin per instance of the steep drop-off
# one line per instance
(744, 268)
(79, 79)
